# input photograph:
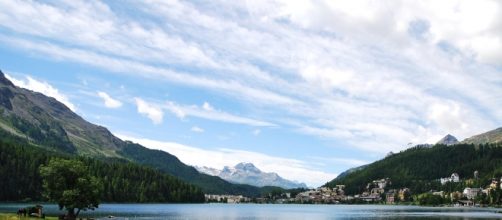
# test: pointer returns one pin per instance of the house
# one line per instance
(377, 191)
(371, 198)
(440, 193)
(382, 183)
(404, 194)
(390, 197)
(494, 184)
(455, 178)
(226, 198)
(471, 193)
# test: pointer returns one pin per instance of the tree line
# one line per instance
(419, 168)
(122, 181)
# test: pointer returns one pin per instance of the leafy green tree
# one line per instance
(70, 185)
(429, 199)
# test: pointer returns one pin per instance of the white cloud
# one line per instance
(292, 169)
(206, 111)
(197, 129)
(354, 72)
(109, 101)
(256, 132)
(151, 111)
(206, 106)
(42, 87)
(339, 161)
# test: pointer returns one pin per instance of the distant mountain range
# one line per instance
(47, 123)
(248, 173)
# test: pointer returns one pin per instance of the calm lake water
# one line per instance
(272, 211)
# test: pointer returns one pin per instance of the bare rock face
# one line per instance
(448, 140)
(490, 137)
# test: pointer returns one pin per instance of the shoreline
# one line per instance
(250, 203)
(193, 211)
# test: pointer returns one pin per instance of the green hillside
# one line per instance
(123, 181)
(420, 167)
(493, 136)
(171, 164)
(44, 122)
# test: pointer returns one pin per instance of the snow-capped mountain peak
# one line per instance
(248, 173)
(248, 167)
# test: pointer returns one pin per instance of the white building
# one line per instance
(453, 178)
(471, 193)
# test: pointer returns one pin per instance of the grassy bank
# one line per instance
(13, 216)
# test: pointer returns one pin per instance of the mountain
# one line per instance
(208, 170)
(419, 167)
(448, 140)
(122, 181)
(351, 170)
(493, 136)
(47, 123)
(248, 173)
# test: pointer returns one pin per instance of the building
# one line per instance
(390, 197)
(377, 191)
(494, 184)
(382, 183)
(440, 193)
(404, 194)
(371, 198)
(471, 193)
(226, 198)
(455, 178)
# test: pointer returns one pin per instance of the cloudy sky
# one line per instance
(306, 89)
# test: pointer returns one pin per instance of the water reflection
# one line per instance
(272, 212)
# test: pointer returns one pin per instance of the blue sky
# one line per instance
(306, 89)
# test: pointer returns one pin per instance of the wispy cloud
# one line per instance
(338, 161)
(375, 76)
(151, 111)
(293, 169)
(109, 101)
(197, 129)
(206, 111)
(42, 87)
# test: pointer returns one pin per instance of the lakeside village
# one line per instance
(380, 192)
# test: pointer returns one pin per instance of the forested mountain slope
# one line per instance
(123, 181)
(420, 167)
(47, 123)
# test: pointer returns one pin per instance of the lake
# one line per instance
(272, 211)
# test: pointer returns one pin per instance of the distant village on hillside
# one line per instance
(380, 191)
